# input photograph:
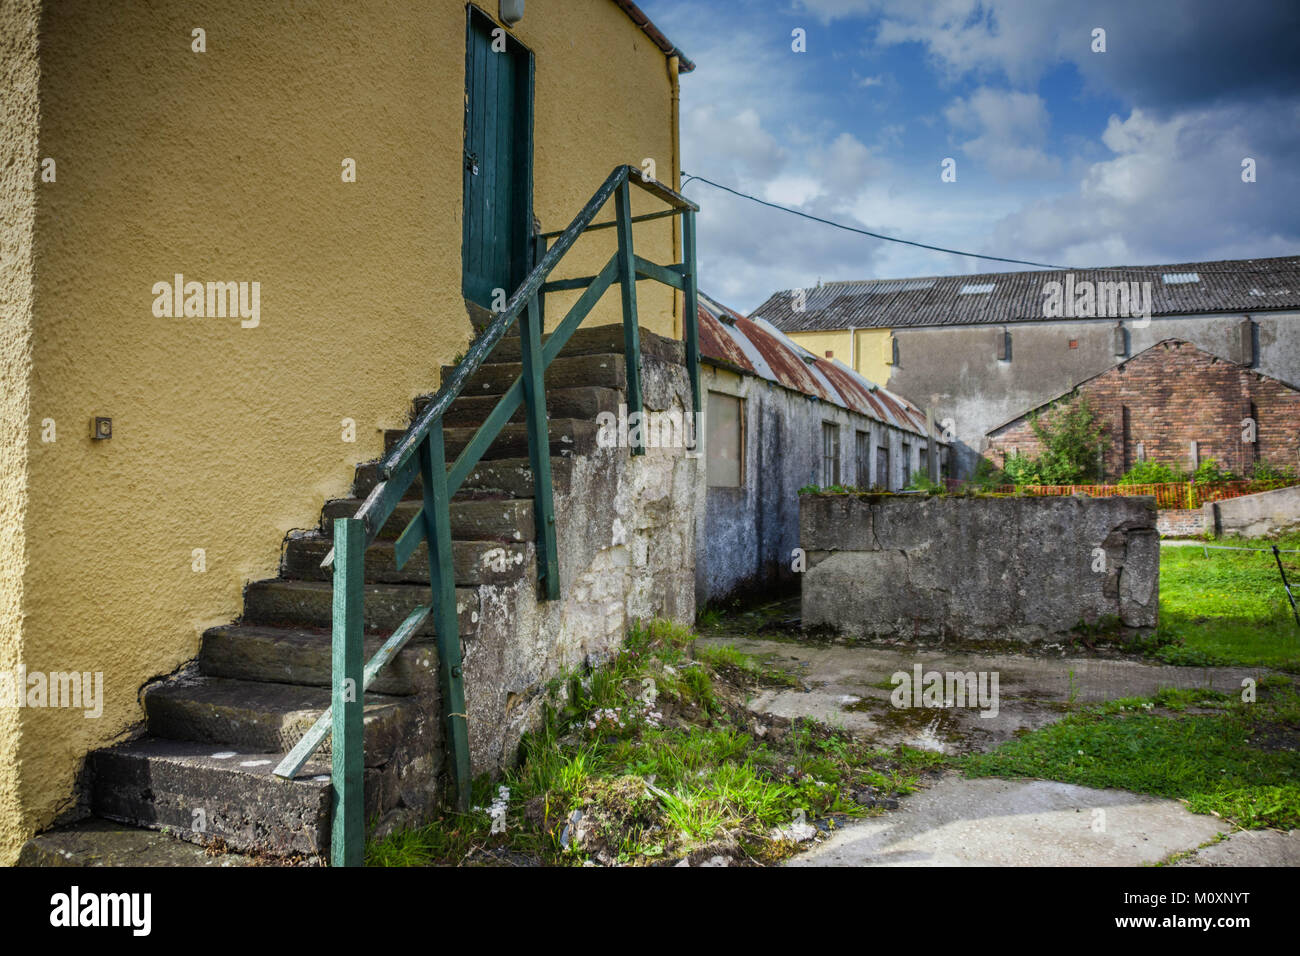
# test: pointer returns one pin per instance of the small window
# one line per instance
(1002, 346)
(726, 444)
(862, 460)
(830, 454)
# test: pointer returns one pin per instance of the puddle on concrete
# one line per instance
(926, 728)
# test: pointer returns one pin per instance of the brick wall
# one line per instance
(1173, 523)
(1171, 395)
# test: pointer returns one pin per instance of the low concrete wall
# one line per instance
(1265, 513)
(1023, 569)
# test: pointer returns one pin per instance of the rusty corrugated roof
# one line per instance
(756, 347)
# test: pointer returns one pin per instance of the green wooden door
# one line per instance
(498, 160)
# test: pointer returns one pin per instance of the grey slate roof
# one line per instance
(1234, 285)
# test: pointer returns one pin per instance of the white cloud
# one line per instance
(1172, 190)
(1011, 130)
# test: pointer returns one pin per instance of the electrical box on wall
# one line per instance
(511, 11)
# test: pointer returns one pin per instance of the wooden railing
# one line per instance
(422, 451)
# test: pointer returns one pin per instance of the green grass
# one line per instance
(1219, 754)
(1229, 608)
(746, 665)
(655, 750)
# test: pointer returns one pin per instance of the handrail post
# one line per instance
(538, 251)
(442, 581)
(631, 332)
(691, 320)
(539, 447)
(347, 838)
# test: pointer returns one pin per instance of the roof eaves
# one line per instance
(685, 64)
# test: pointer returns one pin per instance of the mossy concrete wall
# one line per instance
(914, 567)
(226, 165)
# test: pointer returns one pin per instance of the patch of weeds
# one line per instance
(1219, 754)
(1180, 855)
(652, 758)
(709, 619)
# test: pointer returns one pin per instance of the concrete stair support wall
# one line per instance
(200, 765)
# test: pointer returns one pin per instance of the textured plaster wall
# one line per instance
(869, 352)
(19, 109)
(225, 166)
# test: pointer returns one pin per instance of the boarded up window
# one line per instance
(1002, 346)
(725, 440)
(907, 464)
(830, 454)
(882, 467)
(862, 460)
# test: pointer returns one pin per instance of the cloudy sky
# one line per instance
(1063, 155)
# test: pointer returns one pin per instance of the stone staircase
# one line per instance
(201, 767)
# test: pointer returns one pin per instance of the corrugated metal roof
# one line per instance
(1188, 288)
(756, 347)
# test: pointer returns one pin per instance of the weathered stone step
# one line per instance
(582, 403)
(205, 792)
(475, 562)
(296, 656)
(97, 842)
(568, 437)
(567, 371)
(264, 716)
(486, 519)
(507, 477)
(309, 604)
(599, 340)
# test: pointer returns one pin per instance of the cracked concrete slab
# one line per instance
(1250, 848)
(964, 822)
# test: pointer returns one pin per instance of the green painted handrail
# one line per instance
(422, 452)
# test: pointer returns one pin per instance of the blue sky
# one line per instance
(1063, 155)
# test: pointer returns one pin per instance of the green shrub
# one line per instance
(1151, 473)
(1209, 473)
(1274, 475)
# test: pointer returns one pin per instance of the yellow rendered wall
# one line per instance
(18, 129)
(869, 352)
(225, 166)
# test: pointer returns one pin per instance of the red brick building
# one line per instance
(1176, 404)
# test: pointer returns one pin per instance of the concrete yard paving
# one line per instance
(991, 822)
(962, 822)
(849, 687)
